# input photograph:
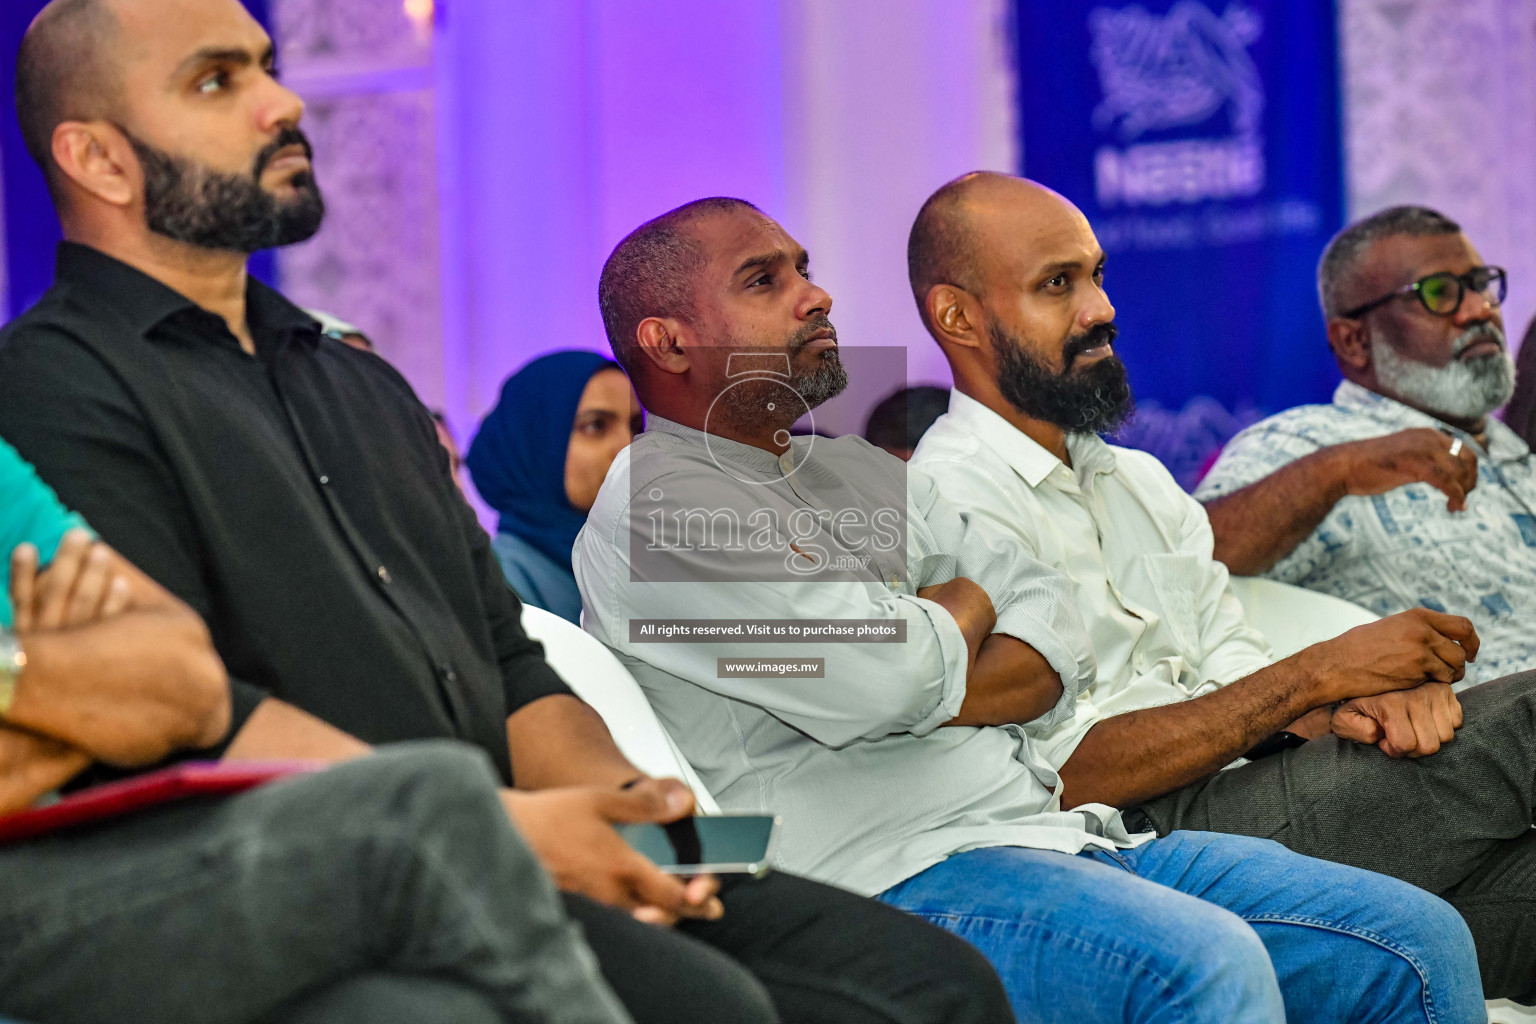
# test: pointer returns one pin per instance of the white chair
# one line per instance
(1292, 618)
(597, 677)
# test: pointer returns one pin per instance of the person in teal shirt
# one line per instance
(30, 513)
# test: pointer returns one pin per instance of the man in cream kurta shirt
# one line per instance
(1009, 278)
(902, 768)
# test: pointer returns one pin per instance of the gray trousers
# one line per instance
(1457, 823)
(390, 888)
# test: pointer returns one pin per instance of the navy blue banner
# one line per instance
(1202, 140)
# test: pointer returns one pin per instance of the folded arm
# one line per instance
(868, 689)
(1010, 682)
(1035, 655)
(117, 668)
(116, 671)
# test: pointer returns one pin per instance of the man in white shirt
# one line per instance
(721, 553)
(1009, 281)
(1403, 491)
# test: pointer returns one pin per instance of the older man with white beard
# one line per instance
(1342, 498)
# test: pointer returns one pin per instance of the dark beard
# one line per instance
(189, 203)
(1094, 400)
(828, 379)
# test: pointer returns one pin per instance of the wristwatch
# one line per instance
(12, 660)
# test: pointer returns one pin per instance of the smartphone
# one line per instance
(718, 844)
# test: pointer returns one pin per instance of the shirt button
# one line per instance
(325, 480)
(384, 576)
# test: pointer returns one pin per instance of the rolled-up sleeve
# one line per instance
(1034, 602)
(868, 689)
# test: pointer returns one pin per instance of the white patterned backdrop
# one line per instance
(365, 71)
(1440, 109)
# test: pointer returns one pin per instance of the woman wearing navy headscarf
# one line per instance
(538, 460)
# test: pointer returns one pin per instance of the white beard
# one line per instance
(1458, 390)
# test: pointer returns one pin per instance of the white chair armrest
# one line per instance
(597, 677)
(1292, 618)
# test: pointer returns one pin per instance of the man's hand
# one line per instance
(1404, 723)
(1395, 653)
(1420, 455)
(117, 667)
(78, 587)
(571, 831)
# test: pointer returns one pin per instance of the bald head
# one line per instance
(65, 71)
(965, 228)
(1010, 281)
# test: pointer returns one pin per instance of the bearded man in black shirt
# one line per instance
(292, 491)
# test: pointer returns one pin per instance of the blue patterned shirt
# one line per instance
(1394, 551)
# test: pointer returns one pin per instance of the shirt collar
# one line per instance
(1504, 445)
(1028, 458)
(723, 448)
(146, 302)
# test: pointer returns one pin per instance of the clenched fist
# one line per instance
(1404, 723)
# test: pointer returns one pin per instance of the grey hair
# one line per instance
(1342, 259)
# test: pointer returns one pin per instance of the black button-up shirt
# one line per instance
(297, 499)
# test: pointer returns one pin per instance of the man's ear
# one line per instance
(1351, 343)
(955, 315)
(659, 342)
(96, 157)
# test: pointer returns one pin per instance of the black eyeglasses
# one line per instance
(1442, 293)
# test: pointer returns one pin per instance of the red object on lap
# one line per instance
(167, 785)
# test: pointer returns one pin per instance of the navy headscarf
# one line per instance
(517, 459)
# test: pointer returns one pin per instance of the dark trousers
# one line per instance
(821, 955)
(808, 953)
(392, 889)
(1457, 823)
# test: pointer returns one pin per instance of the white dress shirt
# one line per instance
(1403, 549)
(1163, 621)
(872, 786)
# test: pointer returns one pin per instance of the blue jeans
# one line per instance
(1198, 927)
